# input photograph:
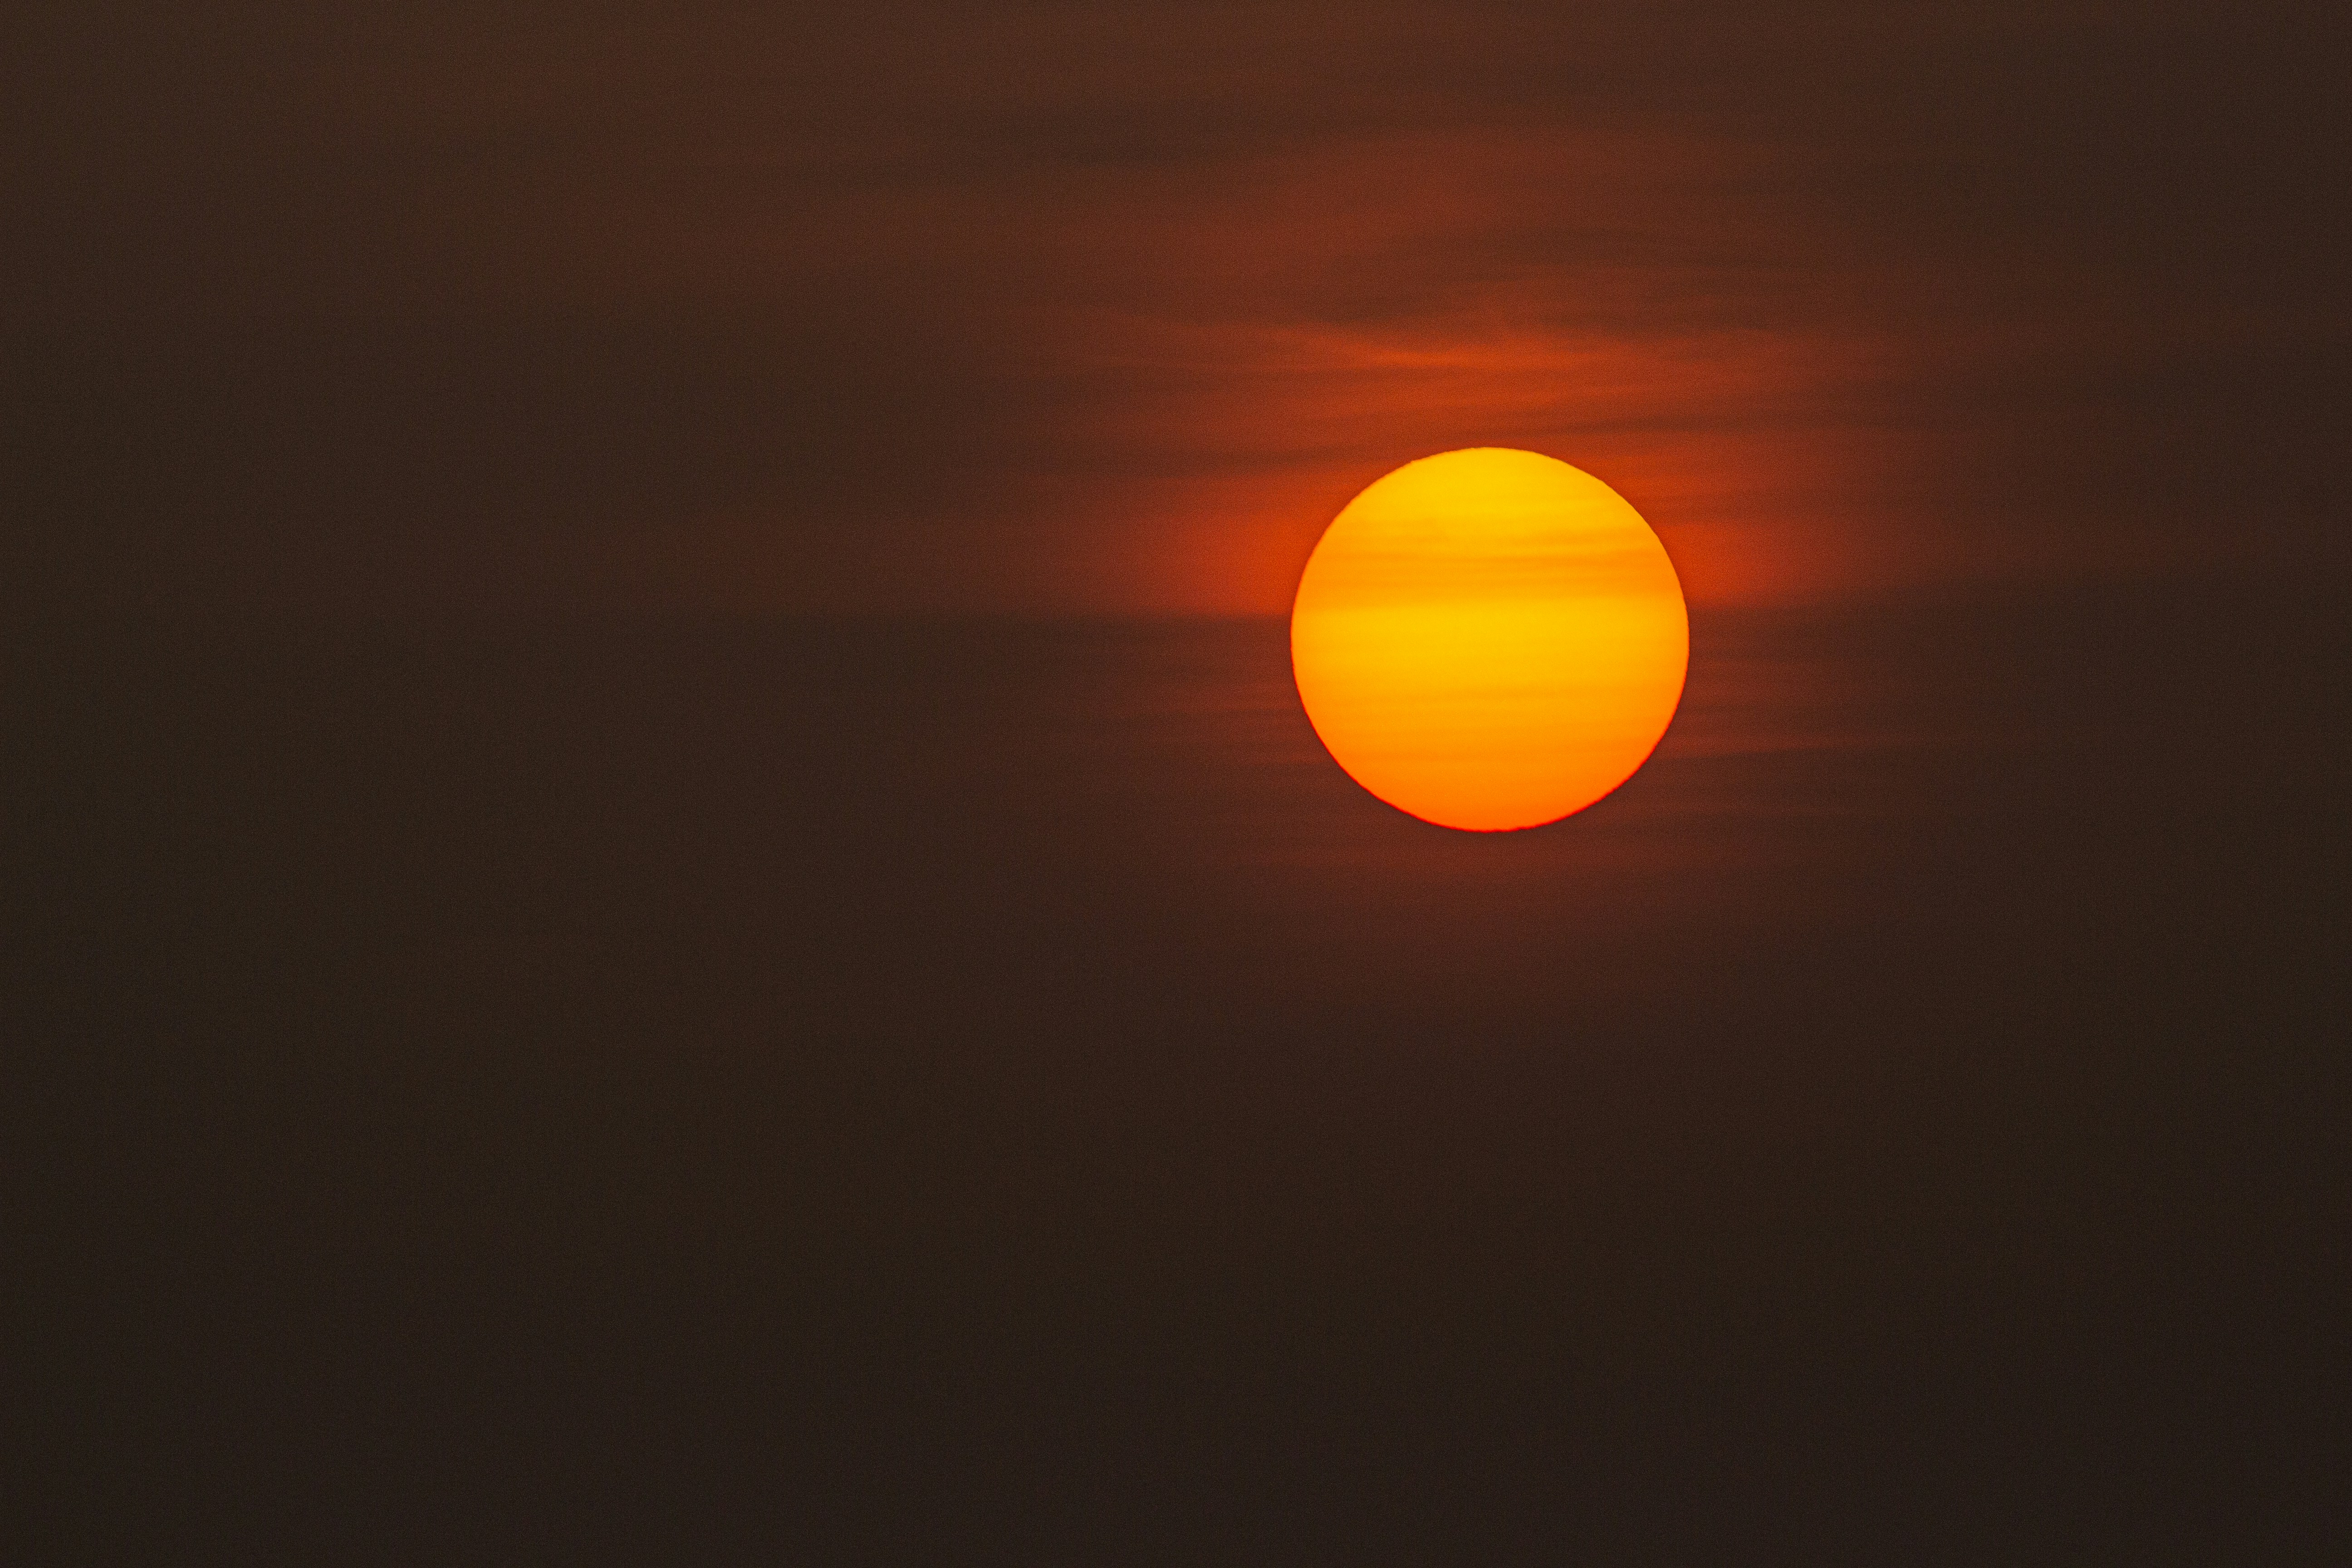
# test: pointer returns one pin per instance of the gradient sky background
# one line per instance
(524, 1042)
(1110, 309)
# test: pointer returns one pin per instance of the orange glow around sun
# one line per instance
(1489, 639)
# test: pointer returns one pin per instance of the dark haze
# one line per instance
(671, 906)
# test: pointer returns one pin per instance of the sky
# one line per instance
(1042, 309)
(673, 904)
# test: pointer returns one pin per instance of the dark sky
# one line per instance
(597, 976)
(1112, 306)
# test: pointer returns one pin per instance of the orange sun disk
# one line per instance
(1489, 639)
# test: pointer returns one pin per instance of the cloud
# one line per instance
(1112, 307)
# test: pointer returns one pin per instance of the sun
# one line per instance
(1489, 639)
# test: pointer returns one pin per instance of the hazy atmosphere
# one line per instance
(674, 903)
